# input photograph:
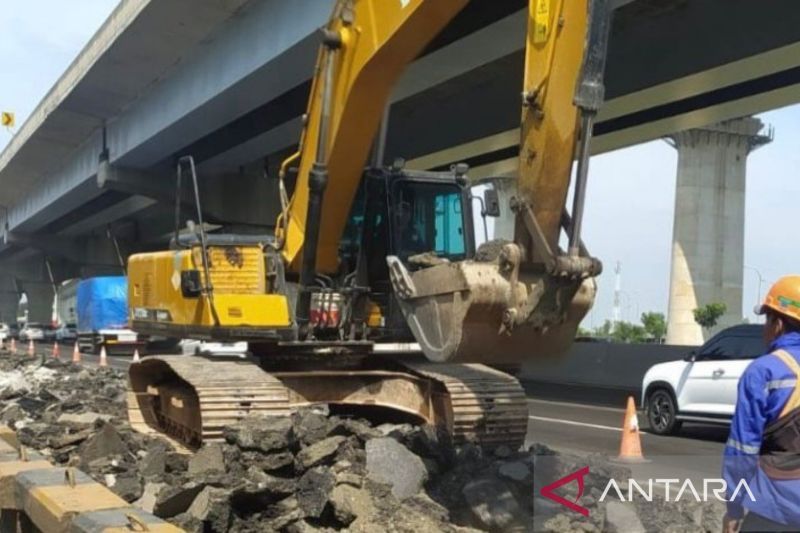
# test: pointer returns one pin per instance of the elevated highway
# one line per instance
(227, 82)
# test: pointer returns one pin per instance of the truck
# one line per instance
(102, 314)
(66, 311)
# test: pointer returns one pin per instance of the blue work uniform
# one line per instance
(764, 390)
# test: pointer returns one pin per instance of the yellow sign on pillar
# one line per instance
(7, 119)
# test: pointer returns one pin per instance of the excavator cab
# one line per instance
(423, 218)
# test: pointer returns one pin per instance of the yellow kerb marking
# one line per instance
(9, 436)
(50, 508)
(8, 471)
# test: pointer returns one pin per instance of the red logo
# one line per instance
(578, 475)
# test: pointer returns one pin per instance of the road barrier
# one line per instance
(602, 365)
(54, 499)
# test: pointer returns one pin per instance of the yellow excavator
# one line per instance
(371, 296)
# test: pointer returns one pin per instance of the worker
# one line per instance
(411, 242)
(763, 448)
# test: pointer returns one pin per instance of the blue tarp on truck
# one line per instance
(102, 303)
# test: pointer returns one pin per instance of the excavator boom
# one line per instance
(367, 45)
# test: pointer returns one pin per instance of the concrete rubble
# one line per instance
(304, 472)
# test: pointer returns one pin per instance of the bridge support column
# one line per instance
(40, 301)
(708, 231)
(504, 224)
(9, 299)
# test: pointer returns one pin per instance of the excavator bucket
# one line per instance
(464, 312)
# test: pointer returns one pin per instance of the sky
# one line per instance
(40, 38)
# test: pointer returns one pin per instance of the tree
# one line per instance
(707, 315)
(604, 331)
(627, 332)
(655, 325)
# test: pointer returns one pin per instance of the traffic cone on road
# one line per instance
(76, 354)
(56, 351)
(14, 346)
(103, 357)
(31, 348)
(630, 448)
(136, 357)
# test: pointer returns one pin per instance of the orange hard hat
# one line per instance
(783, 297)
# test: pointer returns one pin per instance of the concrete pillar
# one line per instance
(708, 231)
(40, 301)
(506, 188)
(9, 299)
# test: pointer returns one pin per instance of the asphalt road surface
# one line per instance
(583, 429)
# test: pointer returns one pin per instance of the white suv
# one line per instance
(702, 387)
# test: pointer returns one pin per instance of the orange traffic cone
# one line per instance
(56, 351)
(630, 448)
(103, 357)
(76, 354)
(31, 348)
(14, 346)
(136, 357)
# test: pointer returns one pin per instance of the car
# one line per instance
(50, 332)
(33, 331)
(701, 387)
(67, 333)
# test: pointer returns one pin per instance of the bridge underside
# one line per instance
(229, 86)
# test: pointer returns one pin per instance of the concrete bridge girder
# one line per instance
(246, 198)
(58, 250)
(189, 110)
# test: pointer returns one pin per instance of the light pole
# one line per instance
(631, 302)
(760, 282)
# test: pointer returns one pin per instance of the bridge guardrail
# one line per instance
(602, 365)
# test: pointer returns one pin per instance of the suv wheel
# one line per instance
(661, 411)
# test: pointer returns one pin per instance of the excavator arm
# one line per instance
(523, 297)
(367, 45)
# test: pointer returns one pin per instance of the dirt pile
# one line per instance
(305, 472)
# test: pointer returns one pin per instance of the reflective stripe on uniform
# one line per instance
(780, 384)
(746, 448)
(794, 400)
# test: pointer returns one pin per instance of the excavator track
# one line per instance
(486, 406)
(192, 399)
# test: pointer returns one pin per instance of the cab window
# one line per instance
(429, 218)
(732, 346)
